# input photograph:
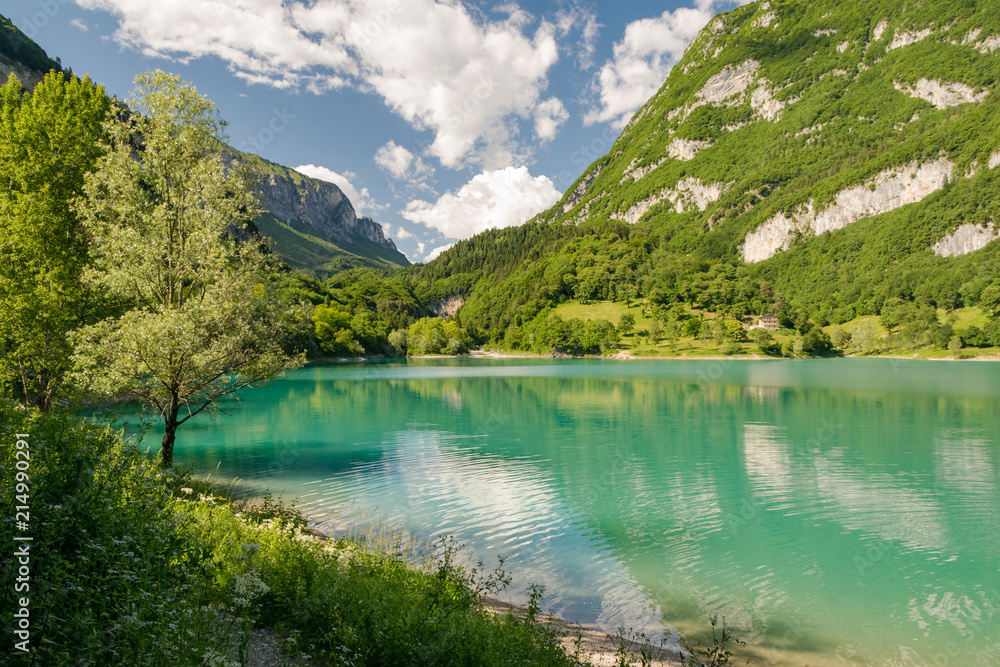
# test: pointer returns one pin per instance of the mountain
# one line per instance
(312, 224)
(21, 56)
(822, 157)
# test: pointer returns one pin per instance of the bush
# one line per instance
(111, 580)
(974, 337)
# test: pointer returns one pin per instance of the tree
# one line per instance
(839, 338)
(626, 324)
(765, 342)
(201, 316)
(989, 300)
(656, 331)
(48, 140)
(955, 346)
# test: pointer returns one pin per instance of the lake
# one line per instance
(833, 511)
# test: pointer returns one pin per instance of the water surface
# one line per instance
(834, 511)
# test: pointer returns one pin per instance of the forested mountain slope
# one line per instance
(805, 157)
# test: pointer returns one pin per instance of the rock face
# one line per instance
(941, 94)
(686, 149)
(323, 207)
(967, 238)
(29, 78)
(688, 195)
(581, 190)
(886, 192)
(447, 308)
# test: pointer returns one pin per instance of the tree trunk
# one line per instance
(170, 430)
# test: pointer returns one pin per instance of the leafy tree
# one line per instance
(974, 337)
(955, 346)
(202, 319)
(397, 339)
(656, 331)
(733, 331)
(764, 341)
(692, 327)
(864, 337)
(839, 338)
(626, 324)
(816, 342)
(989, 300)
(993, 331)
(48, 140)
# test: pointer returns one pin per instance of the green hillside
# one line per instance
(302, 248)
(803, 159)
(17, 47)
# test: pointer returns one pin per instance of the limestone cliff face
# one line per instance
(323, 207)
(29, 78)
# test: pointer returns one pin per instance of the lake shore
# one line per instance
(595, 646)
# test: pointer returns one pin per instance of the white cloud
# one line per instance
(361, 199)
(420, 249)
(434, 254)
(644, 57)
(500, 198)
(469, 80)
(549, 115)
(79, 25)
(401, 163)
(402, 233)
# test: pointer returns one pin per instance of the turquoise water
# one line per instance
(834, 511)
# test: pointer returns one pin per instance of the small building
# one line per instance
(768, 323)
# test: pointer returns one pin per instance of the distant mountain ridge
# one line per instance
(312, 224)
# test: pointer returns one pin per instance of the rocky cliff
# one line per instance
(313, 225)
(323, 207)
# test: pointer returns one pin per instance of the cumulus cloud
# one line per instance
(402, 233)
(499, 198)
(644, 57)
(434, 254)
(79, 25)
(469, 80)
(361, 199)
(549, 115)
(400, 163)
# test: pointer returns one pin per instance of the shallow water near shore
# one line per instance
(833, 511)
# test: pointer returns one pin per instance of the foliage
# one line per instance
(626, 324)
(433, 335)
(48, 140)
(111, 582)
(202, 318)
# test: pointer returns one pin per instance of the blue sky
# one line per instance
(439, 118)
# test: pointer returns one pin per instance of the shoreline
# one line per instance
(626, 355)
(595, 646)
